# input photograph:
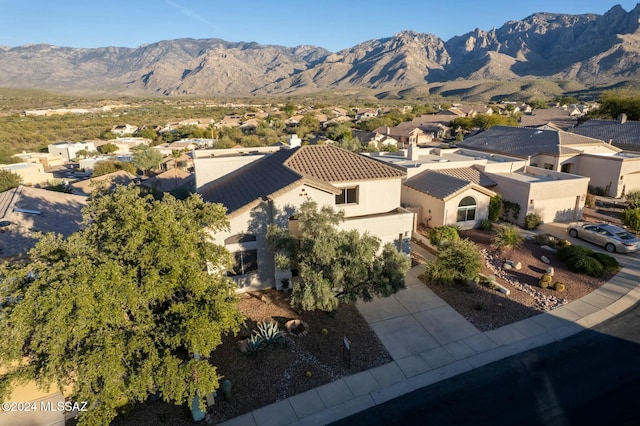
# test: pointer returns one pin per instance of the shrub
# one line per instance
(486, 225)
(495, 207)
(546, 277)
(543, 283)
(631, 218)
(564, 243)
(507, 237)
(532, 221)
(460, 260)
(541, 239)
(597, 190)
(590, 201)
(609, 263)
(633, 199)
(441, 234)
(566, 252)
(585, 265)
(558, 286)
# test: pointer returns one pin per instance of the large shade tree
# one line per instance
(125, 307)
(335, 265)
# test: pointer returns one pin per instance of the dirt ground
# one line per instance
(488, 309)
(278, 371)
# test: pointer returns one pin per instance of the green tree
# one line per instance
(123, 308)
(9, 180)
(108, 148)
(148, 133)
(109, 166)
(146, 158)
(458, 261)
(631, 218)
(335, 265)
(495, 207)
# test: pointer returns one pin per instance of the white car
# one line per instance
(611, 237)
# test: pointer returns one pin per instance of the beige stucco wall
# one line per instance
(376, 196)
(395, 228)
(431, 208)
(603, 171)
(436, 212)
(482, 208)
(255, 222)
(31, 173)
(209, 169)
(553, 200)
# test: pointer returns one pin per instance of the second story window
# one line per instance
(348, 196)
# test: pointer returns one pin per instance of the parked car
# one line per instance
(611, 237)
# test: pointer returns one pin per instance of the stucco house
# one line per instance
(608, 167)
(440, 179)
(270, 189)
(621, 133)
(445, 199)
(30, 173)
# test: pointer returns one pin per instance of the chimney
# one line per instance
(622, 118)
(412, 153)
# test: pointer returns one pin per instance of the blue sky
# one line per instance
(332, 24)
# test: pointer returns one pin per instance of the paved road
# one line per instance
(592, 378)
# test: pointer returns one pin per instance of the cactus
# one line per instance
(546, 277)
(270, 332)
(254, 344)
(226, 388)
(309, 374)
(558, 286)
(543, 283)
(324, 331)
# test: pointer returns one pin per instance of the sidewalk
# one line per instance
(430, 342)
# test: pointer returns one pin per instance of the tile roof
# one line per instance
(169, 181)
(470, 174)
(523, 141)
(86, 187)
(315, 165)
(436, 184)
(47, 211)
(331, 164)
(626, 135)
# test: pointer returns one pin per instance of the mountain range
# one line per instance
(590, 49)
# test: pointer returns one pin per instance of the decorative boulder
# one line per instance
(550, 270)
(517, 266)
(507, 266)
(545, 259)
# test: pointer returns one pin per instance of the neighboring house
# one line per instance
(558, 117)
(608, 167)
(444, 199)
(105, 182)
(172, 181)
(124, 129)
(269, 190)
(25, 211)
(47, 160)
(183, 162)
(69, 150)
(404, 134)
(367, 113)
(30, 173)
(211, 164)
(444, 177)
(621, 133)
(124, 145)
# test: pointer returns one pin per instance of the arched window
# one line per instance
(467, 209)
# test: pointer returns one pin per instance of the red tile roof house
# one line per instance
(269, 190)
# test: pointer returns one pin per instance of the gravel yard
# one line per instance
(488, 309)
(279, 370)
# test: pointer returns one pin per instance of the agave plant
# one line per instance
(270, 332)
(255, 344)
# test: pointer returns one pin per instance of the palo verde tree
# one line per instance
(123, 308)
(335, 265)
(146, 158)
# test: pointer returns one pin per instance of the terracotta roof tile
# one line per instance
(332, 164)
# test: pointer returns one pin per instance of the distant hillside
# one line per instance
(588, 50)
